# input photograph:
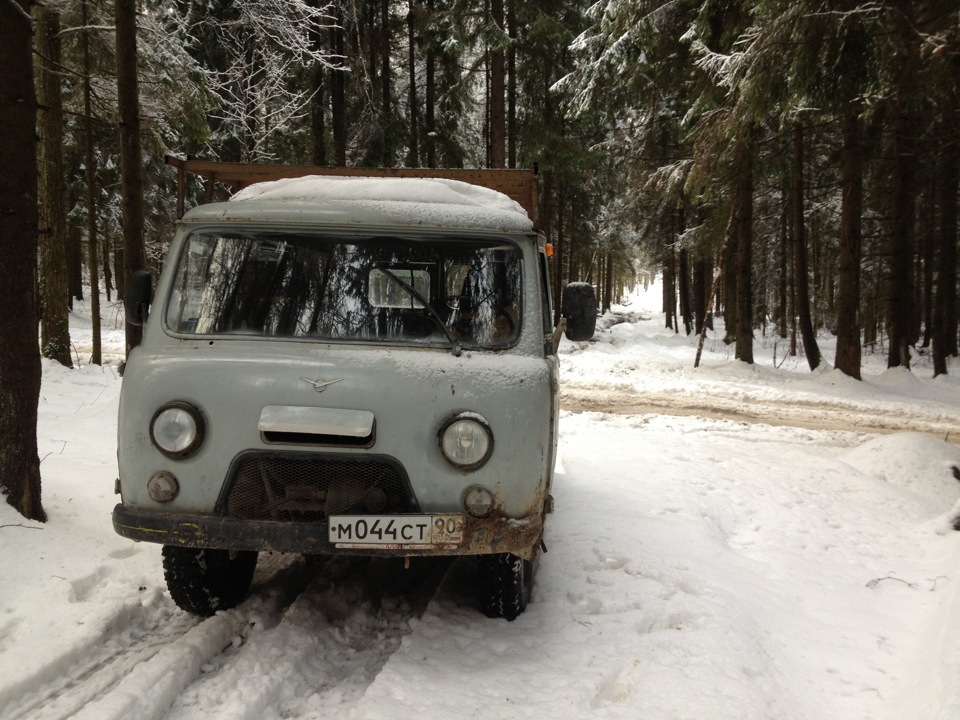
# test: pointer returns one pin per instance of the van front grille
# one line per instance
(311, 488)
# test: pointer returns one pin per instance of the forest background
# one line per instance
(790, 164)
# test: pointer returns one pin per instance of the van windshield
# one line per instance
(376, 289)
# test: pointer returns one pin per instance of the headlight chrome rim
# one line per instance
(458, 438)
(177, 429)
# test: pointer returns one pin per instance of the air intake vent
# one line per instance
(310, 488)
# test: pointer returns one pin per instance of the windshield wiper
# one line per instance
(414, 293)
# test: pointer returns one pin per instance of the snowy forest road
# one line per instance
(739, 542)
(811, 415)
(314, 635)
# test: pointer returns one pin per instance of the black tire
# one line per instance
(579, 307)
(504, 585)
(202, 581)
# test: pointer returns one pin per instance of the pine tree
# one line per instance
(19, 354)
(54, 287)
(128, 98)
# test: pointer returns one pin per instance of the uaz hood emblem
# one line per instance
(320, 384)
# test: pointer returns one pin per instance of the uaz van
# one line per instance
(344, 365)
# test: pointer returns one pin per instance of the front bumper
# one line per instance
(481, 536)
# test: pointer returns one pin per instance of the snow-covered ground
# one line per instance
(743, 542)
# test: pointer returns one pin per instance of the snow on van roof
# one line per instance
(428, 201)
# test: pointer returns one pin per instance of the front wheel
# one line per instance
(504, 585)
(202, 581)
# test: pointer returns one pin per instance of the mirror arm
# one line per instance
(557, 333)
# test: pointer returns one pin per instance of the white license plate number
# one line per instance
(395, 531)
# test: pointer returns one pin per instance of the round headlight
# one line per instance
(177, 429)
(466, 441)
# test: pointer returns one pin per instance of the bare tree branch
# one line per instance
(23, 13)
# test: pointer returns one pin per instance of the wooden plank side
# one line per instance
(520, 185)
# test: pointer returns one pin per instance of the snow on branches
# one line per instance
(251, 54)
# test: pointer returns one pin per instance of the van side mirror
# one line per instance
(139, 294)
(579, 306)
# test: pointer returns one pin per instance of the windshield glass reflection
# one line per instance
(377, 289)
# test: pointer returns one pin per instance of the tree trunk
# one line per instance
(108, 251)
(799, 240)
(430, 92)
(131, 161)
(670, 290)
(945, 309)
(386, 84)
(110, 247)
(318, 103)
(497, 91)
(559, 246)
(743, 161)
(783, 274)
(728, 283)
(923, 318)
(711, 301)
(414, 108)
(512, 85)
(19, 353)
(318, 127)
(90, 174)
(75, 262)
(702, 278)
(683, 291)
(900, 284)
(816, 258)
(608, 283)
(338, 85)
(848, 266)
(253, 121)
(54, 288)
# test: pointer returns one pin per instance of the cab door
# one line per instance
(550, 342)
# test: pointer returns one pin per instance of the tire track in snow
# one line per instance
(134, 633)
(812, 416)
(324, 651)
(149, 658)
(312, 635)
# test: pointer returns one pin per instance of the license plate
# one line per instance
(395, 532)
